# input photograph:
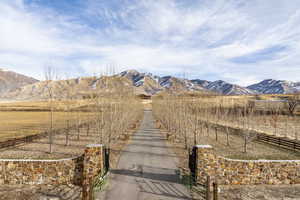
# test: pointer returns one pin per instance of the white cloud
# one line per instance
(164, 37)
(22, 32)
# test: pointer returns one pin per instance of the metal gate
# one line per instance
(106, 152)
(99, 181)
(193, 164)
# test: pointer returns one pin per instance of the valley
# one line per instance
(125, 110)
(133, 81)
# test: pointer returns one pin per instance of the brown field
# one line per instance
(87, 121)
(39, 149)
(39, 105)
(16, 124)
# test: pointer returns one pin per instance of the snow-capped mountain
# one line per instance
(17, 86)
(271, 86)
(152, 84)
(179, 84)
(203, 83)
(268, 86)
(223, 87)
(145, 83)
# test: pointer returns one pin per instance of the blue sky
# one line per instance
(239, 41)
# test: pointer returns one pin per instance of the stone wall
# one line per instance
(62, 171)
(245, 172)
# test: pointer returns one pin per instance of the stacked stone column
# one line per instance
(92, 166)
(206, 162)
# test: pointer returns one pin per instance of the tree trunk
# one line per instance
(51, 129)
(227, 136)
(245, 144)
(67, 133)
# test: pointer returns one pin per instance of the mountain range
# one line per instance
(18, 86)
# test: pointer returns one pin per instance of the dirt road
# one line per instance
(146, 170)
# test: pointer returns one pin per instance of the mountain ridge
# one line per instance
(272, 86)
(140, 83)
(10, 80)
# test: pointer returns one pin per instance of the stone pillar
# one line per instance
(206, 162)
(92, 166)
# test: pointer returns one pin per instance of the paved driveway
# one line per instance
(146, 170)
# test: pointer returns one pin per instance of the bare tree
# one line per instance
(50, 75)
(292, 103)
(274, 118)
(68, 100)
(249, 135)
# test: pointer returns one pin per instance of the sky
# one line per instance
(239, 41)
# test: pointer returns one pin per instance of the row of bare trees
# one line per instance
(109, 110)
(189, 119)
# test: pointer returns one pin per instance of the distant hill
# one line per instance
(10, 81)
(130, 80)
(223, 87)
(79, 87)
(150, 84)
(144, 83)
(16, 86)
(271, 86)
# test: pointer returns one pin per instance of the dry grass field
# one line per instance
(38, 149)
(74, 124)
(41, 105)
(16, 124)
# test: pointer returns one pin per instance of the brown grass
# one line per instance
(105, 121)
(39, 148)
(18, 124)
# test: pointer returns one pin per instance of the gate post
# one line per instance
(92, 166)
(207, 186)
(193, 164)
(206, 162)
(106, 156)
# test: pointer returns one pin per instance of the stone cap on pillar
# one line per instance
(206, 146)
(94, 145)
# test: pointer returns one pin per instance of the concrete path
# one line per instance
(146, 170)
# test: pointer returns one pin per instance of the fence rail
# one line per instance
(31, 138)
(22, 140)
(282, 142)
(279, 141)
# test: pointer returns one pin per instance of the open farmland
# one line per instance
(16, 124)
(60, 105)
(19, 119)
(68, 128)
